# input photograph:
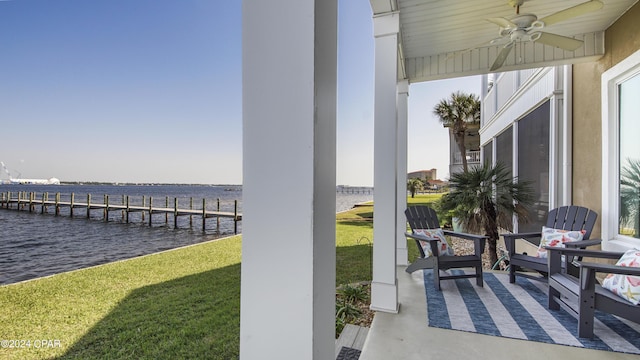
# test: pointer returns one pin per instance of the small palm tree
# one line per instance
(414, 185)
(457, 113)
(630, 195)
(485, 199)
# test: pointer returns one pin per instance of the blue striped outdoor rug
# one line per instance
(491, 310)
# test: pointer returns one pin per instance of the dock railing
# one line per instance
(31, 202)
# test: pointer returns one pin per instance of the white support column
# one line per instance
(567, 140)
(289, 56)
(555, 154)
(384, 287)
(402, 254)
(514, 163)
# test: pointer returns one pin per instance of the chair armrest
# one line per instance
(583, 243)
(613, 269)
(584, 253)
(479, 241)
(588, 274)
(522, 235)
(419, 237)
(510, 240)
(554, 256)
(433, 243)
(464, 235)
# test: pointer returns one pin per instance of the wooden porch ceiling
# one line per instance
(433, 33)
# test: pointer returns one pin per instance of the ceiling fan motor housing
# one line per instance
(518, 26)
(524, 21)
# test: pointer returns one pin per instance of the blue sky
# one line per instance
(150, 91)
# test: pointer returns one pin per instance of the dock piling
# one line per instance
(150, 210)
(106, 208)
(235, 217)
(127, 208)
(175, 213)
(190, 216)
(204, 215)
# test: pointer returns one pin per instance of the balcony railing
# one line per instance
(473, 157)
(502, 89)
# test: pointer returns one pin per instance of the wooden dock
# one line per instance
(42, 204)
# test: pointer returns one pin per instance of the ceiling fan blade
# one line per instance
(572, 12)
(502, 57)
(492, 42)
(502, 22)
(562, 42)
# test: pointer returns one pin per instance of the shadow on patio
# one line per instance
(407, 336)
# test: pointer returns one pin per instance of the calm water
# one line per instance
(34, 245)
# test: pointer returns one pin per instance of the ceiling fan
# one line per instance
(526, 27)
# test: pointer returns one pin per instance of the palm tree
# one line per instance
(457, 112)
(414, 185)
(630, 195)
(485, 199)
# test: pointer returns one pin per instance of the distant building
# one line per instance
(428, 177)
(437, 184)
(424, 175)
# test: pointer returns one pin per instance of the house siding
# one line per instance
(621, 40)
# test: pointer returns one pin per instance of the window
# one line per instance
(488, 153)
(504, 149)
(629, 162)
(533, 163)
(621, 155)
(531, 149)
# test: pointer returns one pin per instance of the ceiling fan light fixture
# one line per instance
(505, 32)
(537, 25)
(518, 34)
(535, 36)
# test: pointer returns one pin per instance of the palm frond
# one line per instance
(486, 195)
(458, 110)
(630, 191)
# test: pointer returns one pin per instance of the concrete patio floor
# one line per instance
(407, 336)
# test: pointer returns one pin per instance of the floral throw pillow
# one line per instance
(557, 238)
(443, 246)
(625, 286)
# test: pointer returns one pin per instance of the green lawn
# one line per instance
(424, 199)
(177, 304)
(354, 240)
(183, 303)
